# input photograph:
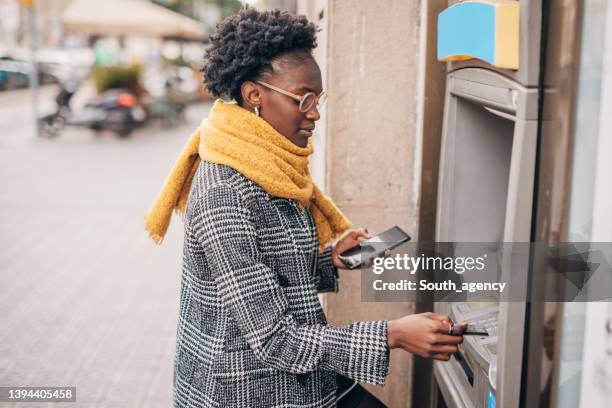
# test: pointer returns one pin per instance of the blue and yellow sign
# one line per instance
(484, 29)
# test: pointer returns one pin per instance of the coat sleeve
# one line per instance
(327, 273)
(250, 291)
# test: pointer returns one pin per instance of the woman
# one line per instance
(259, 238)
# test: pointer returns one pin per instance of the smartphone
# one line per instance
(376, 246)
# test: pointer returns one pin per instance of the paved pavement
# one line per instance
(86, 299)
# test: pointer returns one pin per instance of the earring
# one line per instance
(256, 110)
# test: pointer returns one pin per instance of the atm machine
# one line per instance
(486, 181)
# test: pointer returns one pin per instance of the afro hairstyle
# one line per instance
(244, 46)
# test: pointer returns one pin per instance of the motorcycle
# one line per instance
(117, 110)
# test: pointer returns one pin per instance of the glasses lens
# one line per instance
(308, 101)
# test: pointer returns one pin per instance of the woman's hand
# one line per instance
(349, 239)
(425, 334)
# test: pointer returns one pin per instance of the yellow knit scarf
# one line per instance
(235, 137)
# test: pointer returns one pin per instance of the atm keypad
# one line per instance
(489, 325)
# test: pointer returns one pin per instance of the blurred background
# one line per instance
(98, 97)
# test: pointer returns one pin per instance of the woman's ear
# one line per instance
(250, 94)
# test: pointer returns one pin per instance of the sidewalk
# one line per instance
(87, 299)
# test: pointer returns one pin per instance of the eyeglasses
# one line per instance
(307, 101)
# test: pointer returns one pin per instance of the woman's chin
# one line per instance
(301, 138)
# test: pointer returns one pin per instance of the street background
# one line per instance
(88, 300)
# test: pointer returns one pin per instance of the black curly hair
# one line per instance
(244, 46)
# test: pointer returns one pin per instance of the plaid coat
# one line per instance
(251, 329)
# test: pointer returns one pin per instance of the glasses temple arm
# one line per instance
(294, 96)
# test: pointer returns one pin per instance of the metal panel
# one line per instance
(489, 136)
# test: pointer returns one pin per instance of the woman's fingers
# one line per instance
(446, 348)
(441, 357)
(353, 238)
(356, 237)
(459, 328)
(360, 233)
(425, 334)
(443, 326)
(348, 240)
(439, 317)
(446, 339)
(447, 326)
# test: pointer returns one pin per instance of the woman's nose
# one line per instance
(313, 113)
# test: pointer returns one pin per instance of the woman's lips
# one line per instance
(305, 132)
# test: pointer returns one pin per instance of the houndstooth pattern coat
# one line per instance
(251, 329)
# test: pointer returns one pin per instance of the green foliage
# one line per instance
(117, 76)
